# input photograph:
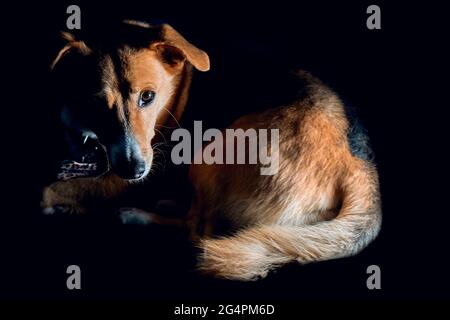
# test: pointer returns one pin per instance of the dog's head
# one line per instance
(119, 87)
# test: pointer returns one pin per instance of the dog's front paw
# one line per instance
(140, 217)
(135, 216)
(61, 210)
(64, 209)
(59, 199)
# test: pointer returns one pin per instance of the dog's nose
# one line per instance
(126, 159)
(130, 170)
(139, 170)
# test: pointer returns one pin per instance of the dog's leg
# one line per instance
(130, 215)
(77, 195)
(137, 216)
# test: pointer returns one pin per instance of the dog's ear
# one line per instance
(71, 44)
(175, 49)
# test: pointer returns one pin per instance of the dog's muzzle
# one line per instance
(126, 160)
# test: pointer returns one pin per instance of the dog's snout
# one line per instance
(127, 162)
(128, 169)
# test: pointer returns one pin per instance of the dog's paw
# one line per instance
(135, 216)
(58, 209)
(57, 199)
(62, 209)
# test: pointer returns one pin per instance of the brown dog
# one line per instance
(323, 203)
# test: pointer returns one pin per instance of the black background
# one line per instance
(394, 76)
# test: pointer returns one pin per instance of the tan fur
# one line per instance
(323, 203)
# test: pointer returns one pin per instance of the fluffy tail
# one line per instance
(253, 252)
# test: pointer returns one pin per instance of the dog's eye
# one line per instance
(146, 97)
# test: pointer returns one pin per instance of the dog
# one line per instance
(324, 203)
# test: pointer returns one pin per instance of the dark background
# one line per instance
(394, 77)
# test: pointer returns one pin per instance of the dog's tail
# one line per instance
(253, 252)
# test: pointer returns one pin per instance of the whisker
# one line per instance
(179, 126)
(160, 166)
(156, 145)
(162, 135)
(162, 154)
(163, 126)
